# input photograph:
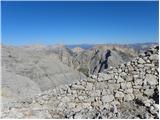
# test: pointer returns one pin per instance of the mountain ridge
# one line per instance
(129, 90)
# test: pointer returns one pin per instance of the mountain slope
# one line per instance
(128, 91)
(36, 69)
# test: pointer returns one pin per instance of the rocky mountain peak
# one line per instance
(130, 90)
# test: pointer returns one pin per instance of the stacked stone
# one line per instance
(135, 82)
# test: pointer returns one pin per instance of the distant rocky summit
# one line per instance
(77, 50)
(128, 91)
(119, 54)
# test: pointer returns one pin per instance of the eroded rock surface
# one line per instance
(26, 72)
(129, 90)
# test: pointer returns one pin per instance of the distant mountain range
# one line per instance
(84, 46)
(141, 46)
(137, 46)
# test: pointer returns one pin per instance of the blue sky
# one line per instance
(79, 22)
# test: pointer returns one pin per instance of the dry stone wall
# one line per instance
(127, 91)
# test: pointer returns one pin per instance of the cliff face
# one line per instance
(88, 59)
(127, 91)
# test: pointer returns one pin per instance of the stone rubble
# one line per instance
(129, 91)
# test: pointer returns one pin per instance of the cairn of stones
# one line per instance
(129, 90)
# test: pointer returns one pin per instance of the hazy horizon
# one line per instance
(85, 44)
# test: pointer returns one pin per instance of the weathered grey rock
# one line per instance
(36, 106)
(151, 79)
(103, 77)
(147, 102)
(128, 97)
(91, 80)
(153, 110)
(119, 94)
(154, 57)
(156, 107)
(108, 76)
(113, 86)
(95, 93)
(141, 61)
(101, 85)
(129, 78)
(136, 75)
(71, 105)
(86, 105)
(40, 114)
(65, 99)
(149, 65)
(107, 98)
(123, 74)
(149, 92)
(78, 115)
(138, 81)
(107, 92)
(140, 65)
(126, 85)
(115, 102)
(112, 81)
(119, 80)
(89, 86)
(128, 91)
(77, 87)
(137, 87)
(93, 76)
(123, 85)
(15, 113)
(29, 100)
